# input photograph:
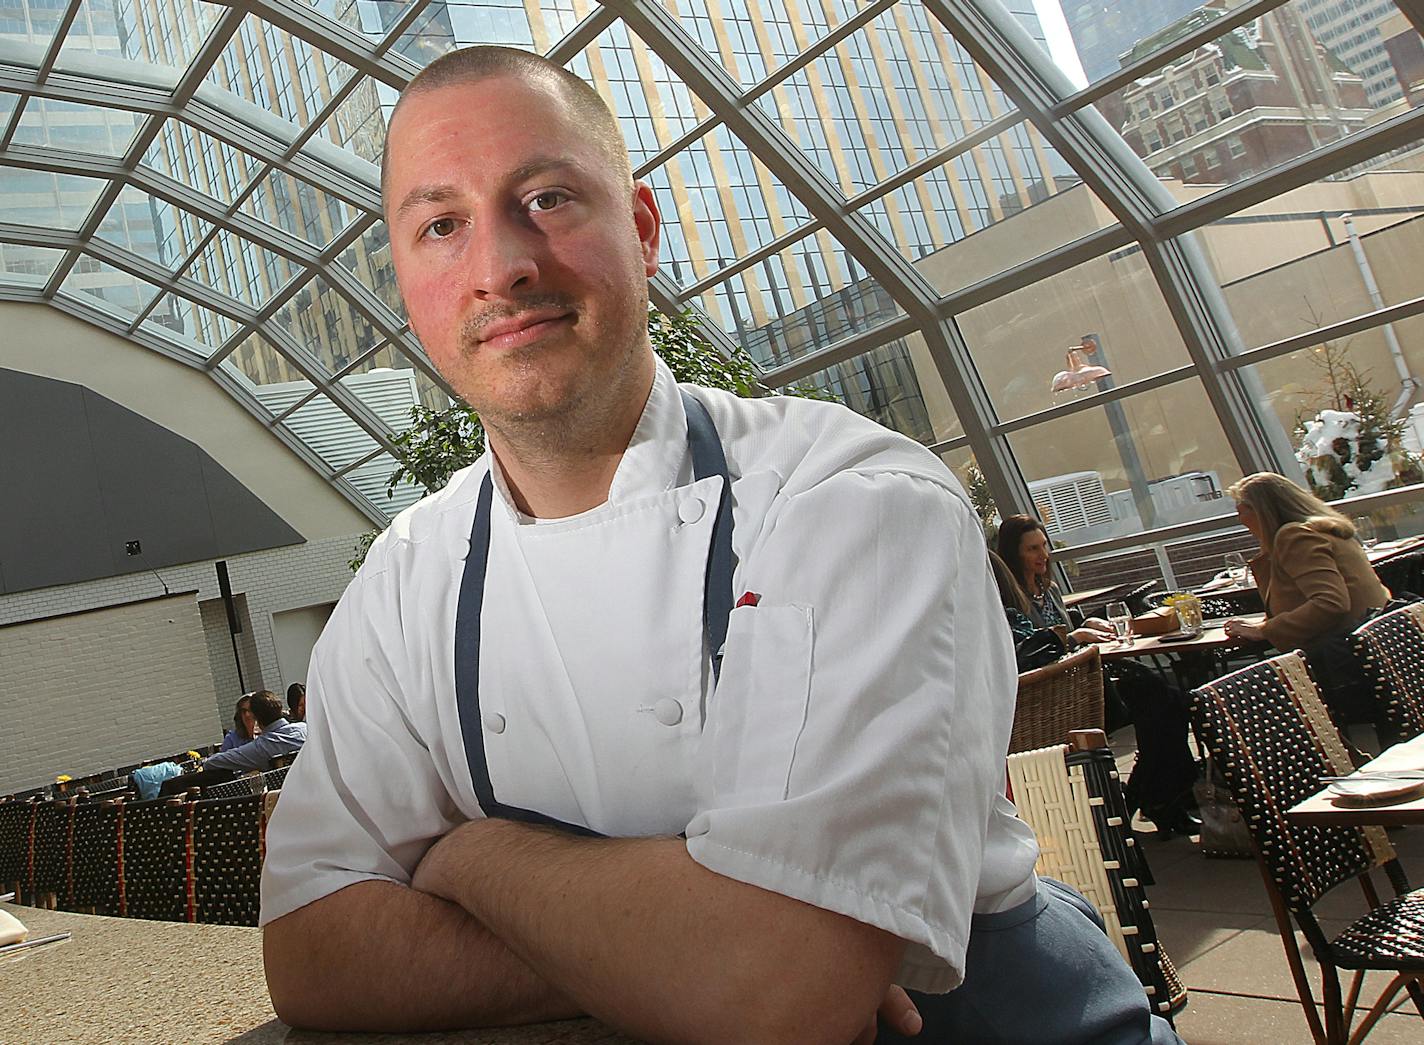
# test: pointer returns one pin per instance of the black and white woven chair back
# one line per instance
(227, 859)
(1390, 649)
(273, 778)
(154, 867)
(1273, 740)
(51, 861)
(96, 857)
(16, 825)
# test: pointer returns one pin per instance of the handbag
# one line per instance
(1039, 649)
(1224, 832)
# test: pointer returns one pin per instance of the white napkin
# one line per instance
(1406, 756)
(12, 930)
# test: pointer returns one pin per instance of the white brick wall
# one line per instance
(102, 688)
(309, 574)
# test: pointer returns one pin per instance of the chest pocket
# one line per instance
(758, 713)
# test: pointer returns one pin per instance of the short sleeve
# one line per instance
(364, 800)
(853, 756)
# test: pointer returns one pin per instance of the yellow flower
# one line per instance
(63, 778)
(194, 755)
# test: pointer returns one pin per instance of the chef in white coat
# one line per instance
(681, 710)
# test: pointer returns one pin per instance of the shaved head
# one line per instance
(472, 64)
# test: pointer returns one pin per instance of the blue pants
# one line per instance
(1042, 973)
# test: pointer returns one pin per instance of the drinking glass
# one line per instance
(1121, 618)
(1236, 566)
(1365, 530)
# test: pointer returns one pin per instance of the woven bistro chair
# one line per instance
(153, 875)
(273, 778)
(51, 867)
(96, 857)
(1390, 650)
(1273, 740)
(17, 847)
(227, 847)
(1057, 699)
(1072, 798)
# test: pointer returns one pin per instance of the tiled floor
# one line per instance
(1213, 918)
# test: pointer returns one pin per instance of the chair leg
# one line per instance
(1416, 991)
(1381, 1006)
(1336, 1029)
(1286, 930)
(1352, 999)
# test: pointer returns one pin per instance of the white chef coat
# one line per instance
(850, 756)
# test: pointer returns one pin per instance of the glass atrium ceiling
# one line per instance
(921, 205)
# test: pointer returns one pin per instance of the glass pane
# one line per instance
(152, 35)
(331, 433)
(324, 322)
(1151, 460)
(237, 267)
(365, 16)
(32, 21)
(1001, 204)
(298, 208)
(373, 479)
(719, 203)
(359, 122)
(1283, 85)
(31, 267)
(1288, 266)
(443, 27)
(1105, 313)
(1359, 374)
(652, 109)
(120, 293)
(200, 161)
(966, 469)
(267, 373)
(728, 30)
(89, 129)
(152, 228)
(806, 298)
(369, 260)
(1095, 36)
(391, 361)
(199, 328)
(49, 201)
(282, 73)
(882, 385)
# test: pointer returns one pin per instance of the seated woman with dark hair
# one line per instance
(1161, 781)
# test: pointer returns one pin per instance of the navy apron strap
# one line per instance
(709, 459)
(467, 672)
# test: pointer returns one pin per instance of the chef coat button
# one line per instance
(494, 721)
(690, 510)
(668, 711)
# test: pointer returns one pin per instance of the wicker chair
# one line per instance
(1390, 649)
(273, 778)
(96, 857)
(1403, 574)
(51, 868)
(1272, 739)
(1072, 798)
(153, 878)
(227, 859)
(1056, 699)
(17, 840)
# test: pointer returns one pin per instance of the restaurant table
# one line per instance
(1321, 809)
(126, 980)
(1213, 639)
(1387, 550)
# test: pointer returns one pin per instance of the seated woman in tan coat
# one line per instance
(1315, 580)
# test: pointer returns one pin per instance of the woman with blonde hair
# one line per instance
(1316, 582)
(1314, 577)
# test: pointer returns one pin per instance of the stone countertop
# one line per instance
(127, 981)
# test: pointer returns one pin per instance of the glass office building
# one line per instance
(920, 205)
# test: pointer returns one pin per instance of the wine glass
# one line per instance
(1365, 531)
(1236, 566)
(1121, 619)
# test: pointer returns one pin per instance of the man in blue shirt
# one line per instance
(278, 737)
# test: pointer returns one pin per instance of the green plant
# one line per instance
(439, 443)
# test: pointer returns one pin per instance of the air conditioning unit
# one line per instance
(1071, 502)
